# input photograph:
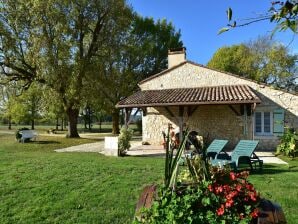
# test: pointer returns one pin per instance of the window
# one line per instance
(263, 123)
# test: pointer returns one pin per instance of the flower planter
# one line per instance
(270, 213)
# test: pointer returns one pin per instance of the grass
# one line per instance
(279, 183)
(38, 185)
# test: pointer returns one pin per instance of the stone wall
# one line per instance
(210, 121)
(218, 121)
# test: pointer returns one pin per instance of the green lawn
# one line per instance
(38, 185)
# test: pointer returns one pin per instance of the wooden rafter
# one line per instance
(234, 110)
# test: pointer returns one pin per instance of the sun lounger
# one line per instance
(242, 154)
(215, 147)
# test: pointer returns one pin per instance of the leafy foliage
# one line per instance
(227, 198)
(140, 51)
(124, 140)
(203, 194)
(262, 60)
(56, 43)
(172, 161)
(283, 13)
(289, 143)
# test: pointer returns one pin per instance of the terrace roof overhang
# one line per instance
(227, 95)
(188, 99)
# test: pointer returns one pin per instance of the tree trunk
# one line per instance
(89, 119)
(57, 123)
(32, 124)
(72, 122)
(99, 124)
(62, 124)
(85, 121)
(9, 123)
(115, 119)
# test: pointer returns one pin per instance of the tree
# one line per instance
(57, 43)
(283, 13)
(53, 108)
(236, 59)
(262, 60)
(27, 107)
(8, 95)
(139, 52)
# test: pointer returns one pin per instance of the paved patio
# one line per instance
(137, 149)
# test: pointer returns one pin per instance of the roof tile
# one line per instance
(234, 94)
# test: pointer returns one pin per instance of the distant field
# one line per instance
(105, 128)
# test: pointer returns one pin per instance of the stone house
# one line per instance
(215, 104)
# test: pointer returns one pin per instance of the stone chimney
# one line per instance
(176, 56)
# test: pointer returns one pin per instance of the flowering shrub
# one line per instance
(227, 198)
(200, 193)
(237, 198)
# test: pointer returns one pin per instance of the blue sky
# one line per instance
(200, 20)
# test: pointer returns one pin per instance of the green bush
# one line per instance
(124, 140)
(289, 143)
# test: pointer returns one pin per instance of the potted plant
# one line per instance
(200, 193)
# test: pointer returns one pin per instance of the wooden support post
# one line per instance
(144, 109)
(169, 111)
(245, 120)
(234, 110)
(130, 120)
(125, 118)
(191, 110)
(180, 122)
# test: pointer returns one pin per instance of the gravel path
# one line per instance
(137, 149)
(92, 147)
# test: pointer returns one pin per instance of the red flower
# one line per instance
(238, 187)
(231, 195)
(253, 196)
(233, 176)
(210, 188)
(229, 203)
(255, 213)
(227, 188)
(218, 189)
(221, 210)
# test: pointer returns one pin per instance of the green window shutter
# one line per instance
(278, 122)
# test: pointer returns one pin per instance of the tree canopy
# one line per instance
(262, 60)
(139, 52)
(81, 50)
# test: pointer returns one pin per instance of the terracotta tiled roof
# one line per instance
(236, 94)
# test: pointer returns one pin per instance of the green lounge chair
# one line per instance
(215, 147)
(242, 154)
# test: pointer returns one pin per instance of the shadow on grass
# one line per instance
(275, 169)
(98, 139)
(149, 155)
(44, 142)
